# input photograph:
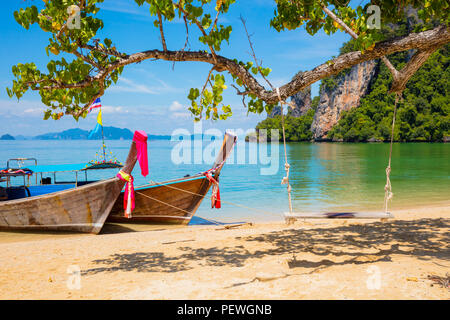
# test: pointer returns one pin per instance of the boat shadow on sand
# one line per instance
(424, 239)
(138, 226)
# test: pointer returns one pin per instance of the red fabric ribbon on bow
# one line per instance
(140, 139)
(215, 196)
(128, 197)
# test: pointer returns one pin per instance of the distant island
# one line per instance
(110, 133)
(7, 137)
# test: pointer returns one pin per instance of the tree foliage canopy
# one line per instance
(423, 114)
(82, 67)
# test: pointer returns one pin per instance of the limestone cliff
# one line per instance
(344, 93)
(276, 111)
(302, 101)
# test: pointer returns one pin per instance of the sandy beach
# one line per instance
(314, 259)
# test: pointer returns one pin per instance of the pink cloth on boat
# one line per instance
(140, 138)
(128, 196)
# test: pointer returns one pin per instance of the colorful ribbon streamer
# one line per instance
(215, 196)
(140, 138)
(128, 198)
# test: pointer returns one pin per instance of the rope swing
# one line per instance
(290, 217)
(388, 195)
(285, 179)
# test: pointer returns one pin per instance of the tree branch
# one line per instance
(206, 82)
(419, 58)
(254, 55)
(353, 34)
(400, 78)
(187, 38)
(163, 39)
(217, 18)
(200, 27)
(424, 42)
(340, 22)
(87, 60)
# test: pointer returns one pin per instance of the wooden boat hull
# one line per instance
(171, 202)
(82, 209)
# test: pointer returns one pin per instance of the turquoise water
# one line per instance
(324, 176)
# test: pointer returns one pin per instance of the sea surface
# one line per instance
(323, 176)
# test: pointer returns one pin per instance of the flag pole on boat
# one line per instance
(103, 136)
(99, 129)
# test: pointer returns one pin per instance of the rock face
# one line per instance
(345, 95)
(302, 101)
(276, 111)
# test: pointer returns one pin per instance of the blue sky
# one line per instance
(151, 95)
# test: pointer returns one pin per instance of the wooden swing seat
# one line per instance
(339, 215)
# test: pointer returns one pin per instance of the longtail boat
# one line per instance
(80, 206)
(175, 201)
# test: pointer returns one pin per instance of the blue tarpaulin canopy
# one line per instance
(73, 167)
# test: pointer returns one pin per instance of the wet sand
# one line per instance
(314, 259)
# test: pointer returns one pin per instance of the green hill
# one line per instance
(423, 114)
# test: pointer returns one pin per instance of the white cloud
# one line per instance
(21, 108)
(34, 111)
(181, 115)
(128, 85)
(26, 118)
(111, 109)
(175, 106)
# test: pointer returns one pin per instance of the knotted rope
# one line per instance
(285, 179)
(388, 194)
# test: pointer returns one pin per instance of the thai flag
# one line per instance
(95, 105)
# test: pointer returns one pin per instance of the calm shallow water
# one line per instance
(324, 176)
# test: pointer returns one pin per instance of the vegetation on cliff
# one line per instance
(423, 113)
(296, 129)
